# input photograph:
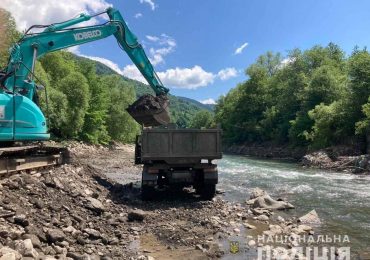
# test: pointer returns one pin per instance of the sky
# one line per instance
(201, 48)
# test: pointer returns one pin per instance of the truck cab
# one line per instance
(177, 158)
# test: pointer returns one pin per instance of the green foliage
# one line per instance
(120, 125)
(313, 98)
(8, 35)
(76, 89)
(94, 128)
(202, 119)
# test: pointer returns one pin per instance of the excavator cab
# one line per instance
(150, 110)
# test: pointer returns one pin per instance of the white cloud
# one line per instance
(164, 45)
(150, 3)
(286, 61)
(152, 38)
(240, 49)
(75, 50)
(138, 15)
(209, 101)
(30, 12)
(130, 71)
(186, 78)
(227, 73)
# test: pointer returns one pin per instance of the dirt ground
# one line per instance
(91, 209)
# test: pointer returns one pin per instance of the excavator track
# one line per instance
(28, 158)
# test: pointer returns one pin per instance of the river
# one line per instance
(341, 200)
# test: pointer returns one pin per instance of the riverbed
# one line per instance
(341, 200)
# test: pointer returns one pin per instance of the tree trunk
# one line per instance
(368, 143)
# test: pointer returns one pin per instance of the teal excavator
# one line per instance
(21, 118)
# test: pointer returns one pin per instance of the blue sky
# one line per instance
(193, 43)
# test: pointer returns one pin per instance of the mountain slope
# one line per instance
(182, 108)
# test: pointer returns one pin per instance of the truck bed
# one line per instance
(180, 146)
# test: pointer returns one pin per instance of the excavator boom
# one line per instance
(20, 116)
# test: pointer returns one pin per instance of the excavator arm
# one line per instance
(21, 118)
(58, 36)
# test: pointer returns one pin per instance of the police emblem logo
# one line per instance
(234, 247)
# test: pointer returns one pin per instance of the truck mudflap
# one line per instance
(148, 178)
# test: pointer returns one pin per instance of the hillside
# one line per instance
(182, 108)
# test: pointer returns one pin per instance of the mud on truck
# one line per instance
(177, 158)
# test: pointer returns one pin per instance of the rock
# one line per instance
(266, 202)
(259, 211)
(34, 239)
(6, 213)
(249, 226)
(310, 218)
(138, 215)
(6, 253)
(54, 235)
(263, 218)
(257, 192)
(150, 257)
(280, 219)
(25, 248)
(21, 220)
(94, 205)
(301, 229)
(92, 233)
(251, 243)
(273, 230)
(69, 229)
(199, 247)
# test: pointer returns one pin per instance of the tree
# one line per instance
(76, 89)
(121, 127)
(8, 35)
(202, 119)
(95, 126)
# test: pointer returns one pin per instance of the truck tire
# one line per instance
(147, 192)
(208, 191)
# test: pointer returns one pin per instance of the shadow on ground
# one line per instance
(130, 195)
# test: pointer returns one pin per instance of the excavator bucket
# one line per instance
(150, 111)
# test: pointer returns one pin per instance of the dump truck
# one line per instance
(177, 158)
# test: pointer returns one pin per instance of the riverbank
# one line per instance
(91, 209)
(341, 158)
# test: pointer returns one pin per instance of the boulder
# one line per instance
(21, 220)
(263, 218)
(249, 226)
(137, 215)
(266, 202)
(6, 253)
(94, 205)
(25, 248)
(257, 192)
(54, 235)
(34, 239)
(92, 233)
(310, 218)
(259, 211)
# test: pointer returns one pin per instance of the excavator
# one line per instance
(21, 118)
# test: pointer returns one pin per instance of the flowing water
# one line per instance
(341, 200)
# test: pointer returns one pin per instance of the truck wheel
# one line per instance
(147, 192)
(208, 191)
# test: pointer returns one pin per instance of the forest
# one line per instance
(86, 100)
(313, 98)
